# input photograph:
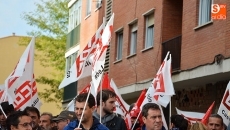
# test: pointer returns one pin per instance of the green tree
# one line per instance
(50, 18)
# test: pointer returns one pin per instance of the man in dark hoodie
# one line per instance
(108, 118)
(88, 122)
(152, 118)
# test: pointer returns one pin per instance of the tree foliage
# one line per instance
(50, 18)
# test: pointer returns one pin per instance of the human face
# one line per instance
(154, 120)
(109, 105)
(2, 119)
(214, 124)
(25, 123)
(45, 122)
(61, 124)
(88, 113)
(133, 119)
(35, 119)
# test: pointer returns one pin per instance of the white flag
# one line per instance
(224, 109)
(82, 67)
(100, 53)
(192, 117)
(21, 89)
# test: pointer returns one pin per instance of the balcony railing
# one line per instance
(174, 46)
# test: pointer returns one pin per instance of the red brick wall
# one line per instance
(201, 45)
(172, 19)
(143, 65)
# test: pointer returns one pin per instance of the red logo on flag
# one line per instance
(226, 100)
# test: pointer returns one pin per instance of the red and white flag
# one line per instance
(225, 106)
(100, 53)
(119, 98)
(21, 90)
(162, 83)
(207, 114)
(82, 67)
(192, 117)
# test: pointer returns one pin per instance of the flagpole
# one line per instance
(31, 57)
(100, 101)
(84, 107)
(136, 120)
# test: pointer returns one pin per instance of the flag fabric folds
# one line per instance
(100, 53)
(20, 86)
(192, 117)
(82, 66)
(224, 108)
(162, 83)
(207, 114)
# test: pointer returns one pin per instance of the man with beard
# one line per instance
(152, 118)
(34, 113)
(88, 122)
(108, 118)
(46, 122)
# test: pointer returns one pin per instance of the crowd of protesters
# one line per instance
(102, 117)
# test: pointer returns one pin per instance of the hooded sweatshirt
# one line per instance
(111, 121)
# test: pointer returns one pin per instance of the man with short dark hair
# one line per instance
(152, 118)
(64, 118)
(46, 122)
(7, 109)
(34, 113)
(108, 118)
(88, 122)
(19, 120)
(215, 122)
(178, 123)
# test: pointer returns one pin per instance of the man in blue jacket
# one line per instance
(152, 118)
(88, 122)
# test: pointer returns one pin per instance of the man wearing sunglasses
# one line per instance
(64, 118)
(19, 120)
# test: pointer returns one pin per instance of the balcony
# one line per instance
(174, 46)
(73, 37)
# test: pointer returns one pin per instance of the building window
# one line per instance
(133, 39)
(74, 15)
(98, 3)
(88, 8)
(70, 61)
(149, 32)
(204, 11)
(119, 45)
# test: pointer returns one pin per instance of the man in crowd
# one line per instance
(7, 109)
(34, 113)
(178, 123)
(215, 122)
(88, 122)
(46, 122)
(108, 118)
(152, 118)
(64, 118)
(19, 120)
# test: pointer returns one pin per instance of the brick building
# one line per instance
(144, 31)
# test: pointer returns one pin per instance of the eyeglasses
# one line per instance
(26, 125)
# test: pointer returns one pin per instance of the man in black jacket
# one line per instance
(108, 118)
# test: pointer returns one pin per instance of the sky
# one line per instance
(11, 17)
